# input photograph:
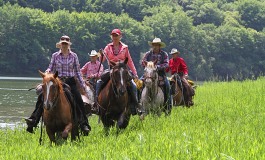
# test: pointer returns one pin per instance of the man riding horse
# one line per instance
(177, 65)
(161, 58)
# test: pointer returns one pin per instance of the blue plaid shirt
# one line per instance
(161, 64)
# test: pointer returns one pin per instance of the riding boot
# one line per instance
(168, 97)
(135, 106)
(79, 107)
(98, 88)
(172, 88)
(34, 119)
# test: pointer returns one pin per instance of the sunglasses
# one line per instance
(67, 39)
(114, 35)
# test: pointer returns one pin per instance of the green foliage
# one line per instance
(216, 37)
(252, 13)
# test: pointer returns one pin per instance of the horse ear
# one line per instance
(41, 74)
(145, 63)
(56, 74)
(126, 60)
(155, 62)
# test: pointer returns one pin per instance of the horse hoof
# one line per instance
(141, 117)
(64, 135)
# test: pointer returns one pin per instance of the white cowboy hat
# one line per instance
(157, 41)
(174, 50)
(93, 53)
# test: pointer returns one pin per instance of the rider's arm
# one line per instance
(130, 63)
(52, 63)
(163, 65)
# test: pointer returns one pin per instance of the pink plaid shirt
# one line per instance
(66, 66)
(90, 69)
(123, 53)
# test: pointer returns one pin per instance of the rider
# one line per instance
(156, 54)
(67, 64)
(92, 69)
(177, 65)
(117, 51)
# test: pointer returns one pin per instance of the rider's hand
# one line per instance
(101, 52)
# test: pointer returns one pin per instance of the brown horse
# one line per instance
(113, 99)
(178, 91)
(57, 115)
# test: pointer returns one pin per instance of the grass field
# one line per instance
(227, 122)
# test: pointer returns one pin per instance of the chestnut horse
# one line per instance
(178, 91)
(152, 97)
(57, 115)
(113, 99)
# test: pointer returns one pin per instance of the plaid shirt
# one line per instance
(90, 69)
(161, 64)
(66, 66)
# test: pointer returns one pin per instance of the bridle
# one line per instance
(114, 83)
(56, 93)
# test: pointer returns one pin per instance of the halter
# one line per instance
(114, 83)
(153, 79)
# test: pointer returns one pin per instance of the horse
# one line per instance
(113, 99)
(178, 97)
(57, 115)
(152, 97)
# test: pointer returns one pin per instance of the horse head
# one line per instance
(120, 76)
(51, 89)
(150, 74)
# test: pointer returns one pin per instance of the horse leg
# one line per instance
(67, 129)
(107, 121)
(123, 121)
(51, 134)
(74, 132)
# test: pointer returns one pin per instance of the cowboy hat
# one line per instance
(174, 50)
(157, 41)
(93, 53)
(63, 39)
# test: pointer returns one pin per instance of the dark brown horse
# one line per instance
(178, 91)
(57, 115)
(113, 99)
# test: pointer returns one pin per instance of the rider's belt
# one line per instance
(66, 78)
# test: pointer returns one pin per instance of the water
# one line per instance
(16, 102)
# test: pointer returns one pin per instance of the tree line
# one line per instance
(219, 39)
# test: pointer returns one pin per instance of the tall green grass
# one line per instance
(227, 122)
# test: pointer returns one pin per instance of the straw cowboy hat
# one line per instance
(93, 53)
(174, 50)
(157, 41)
(63, 39)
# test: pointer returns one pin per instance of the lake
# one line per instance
(16, 101)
